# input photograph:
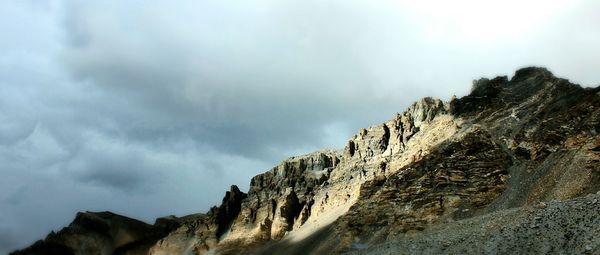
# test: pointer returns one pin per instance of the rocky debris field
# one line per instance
(554, 227)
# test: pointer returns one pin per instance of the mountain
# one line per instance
(511, 168)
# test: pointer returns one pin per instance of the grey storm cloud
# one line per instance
(150, 108)
(243, 84)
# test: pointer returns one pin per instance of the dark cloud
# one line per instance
(164, 105)
(7, 239)
(114, 165)
(17, 196)
(122, 177)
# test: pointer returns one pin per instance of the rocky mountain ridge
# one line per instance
(508, 144)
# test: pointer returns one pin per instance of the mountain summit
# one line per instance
(513, 167)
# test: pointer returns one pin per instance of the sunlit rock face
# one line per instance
(509, 144)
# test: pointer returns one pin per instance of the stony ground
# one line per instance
(554, 227)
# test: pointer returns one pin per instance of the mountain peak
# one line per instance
(509, 144)
(531, 72)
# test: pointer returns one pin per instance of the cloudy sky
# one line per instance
(151, 108)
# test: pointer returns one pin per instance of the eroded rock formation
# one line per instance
(508, 144)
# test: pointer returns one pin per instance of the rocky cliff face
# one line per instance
(509, 144)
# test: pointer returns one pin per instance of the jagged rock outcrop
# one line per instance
(508, 144)
(199, 233)
(229, 209)
(463, 173)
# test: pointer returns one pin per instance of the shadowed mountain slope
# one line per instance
(509, 145)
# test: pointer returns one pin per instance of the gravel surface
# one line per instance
(553, 227)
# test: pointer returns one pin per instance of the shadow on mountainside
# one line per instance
(322, 241)
(541, 131)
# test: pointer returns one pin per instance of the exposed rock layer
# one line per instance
(510, 143)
